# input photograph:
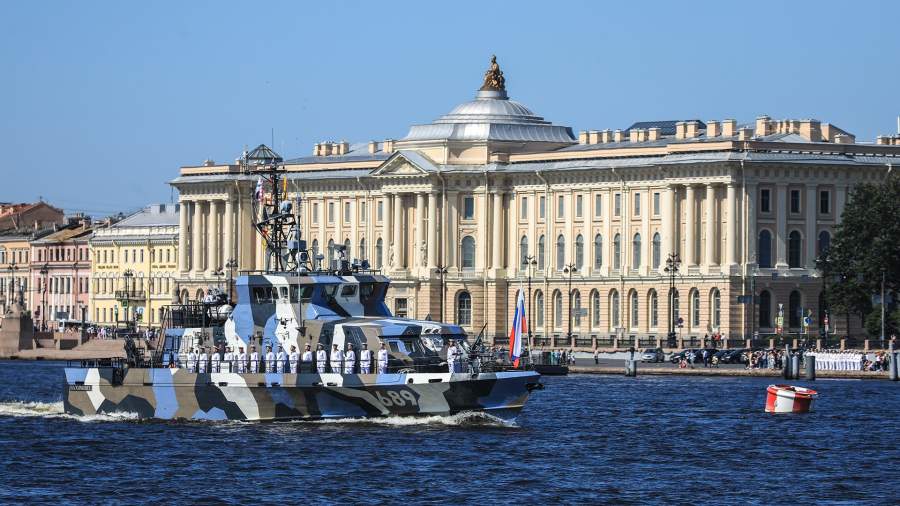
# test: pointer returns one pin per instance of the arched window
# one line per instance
(676, 307)
(557, 310)
(656, 250)
(560, 252)
(379, 253)
(617, 252)
(636, 252)
(468, 252)
(765, 309)
(795, 310)
(614, 309)
(362, 249)
(795, 250)
(716, 305)
(695, 310)
(595, 309)
(540, 254)
(523, 252)
(315, 248)
(348, 251)
(576, 308)
(579, 252)
(539, 309)
(463, 308)
(653, 310)
(764, 254)
(634, 309)
(330, 253)
(598, 251)
(824, 242)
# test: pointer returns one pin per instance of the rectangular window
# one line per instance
(331, 212)
(617, 205)
(468, 208)
(142, 256)
(542, 208)
(346, 212)
(598, 205)
(400, 308)
(579, 207)
(379, 211)
(795, 201)
(362, 212)
(523, 208)
(824, 202)
(126, 256)
(315, 212)
(560, 207)
(637, 204)
(656, 204)
(765, 201)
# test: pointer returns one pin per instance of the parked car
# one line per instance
(652, 355)
(735, 356)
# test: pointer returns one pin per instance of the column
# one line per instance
(689, 226)
(397, 225)
(668, 225)
(323, 240)
(354, 232)
(811, 235)
(607, 233)
(497, 226)
(750, 197)
(228, 231)
(196, 240)
(481, 238)
(711, 228)
(385, 232)
(731, 241)
(418, 259)
(569, 199)
(213, 236)
(451, 234)
(183, 258)
(781, 228)
(432, 243)
(627, 236)
(646, 236)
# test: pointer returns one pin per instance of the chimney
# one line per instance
(606, 136)
(326, 149)
(317, 149)
(617, 136)
(679, 130)
(593, 137)
(729, 127)
(582, 137)
(882, 140)
(811, 130)
(388, 146)
(343, 147)
(844, 139)
(691, 129)
(712, 128)
(373, 147)
(633, 135)
(763, 126)
(745, 134)
(653, 134)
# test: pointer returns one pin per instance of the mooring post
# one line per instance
(810, 367)
(795, 366)
(631, 365)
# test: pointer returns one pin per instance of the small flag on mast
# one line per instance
(258, 192)
(519, 329)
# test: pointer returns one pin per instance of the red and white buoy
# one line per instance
(789, 399)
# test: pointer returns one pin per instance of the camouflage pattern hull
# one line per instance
(171, 394)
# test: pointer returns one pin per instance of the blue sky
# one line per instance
(101, 102)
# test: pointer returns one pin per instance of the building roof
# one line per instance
(154, 215)
(666, 127)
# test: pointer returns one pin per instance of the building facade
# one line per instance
(491, 199)
(133, 267)
(60, 272)
(25, 217)
(15, 254)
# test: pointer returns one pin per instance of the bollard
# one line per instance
(786, 364)
(811, 367)
(631, 368)
(894, 367)
(795, 366)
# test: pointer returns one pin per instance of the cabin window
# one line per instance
(262, 294)
(284, 293)
(348, 290)
(330, 290)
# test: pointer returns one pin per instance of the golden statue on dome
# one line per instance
(493, 78)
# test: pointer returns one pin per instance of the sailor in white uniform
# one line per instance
(452, 357)
(307, 360)
(321, 359)
(216, 360)
(270, 359)
(382, 360)
(336, 360)
(241, 358)
(294, 359)
(226, 362)
(254, 360)
(203, 358)
(191, 361)
(349, 360)
(280, 360)
(365, 360)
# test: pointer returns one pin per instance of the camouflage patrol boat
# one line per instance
(295, 302)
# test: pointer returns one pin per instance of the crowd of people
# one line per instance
(765, 359)
(850, 360)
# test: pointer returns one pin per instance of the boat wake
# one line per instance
(465, 419)
(29, 409)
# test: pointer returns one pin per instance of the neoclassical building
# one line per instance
(461, 212)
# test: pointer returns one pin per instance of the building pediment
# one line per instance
(405, 163)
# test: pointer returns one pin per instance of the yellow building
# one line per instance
(133, 267)
(15, 259)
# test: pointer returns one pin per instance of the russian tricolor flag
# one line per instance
(518, 330)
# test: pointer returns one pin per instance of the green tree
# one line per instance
(891, 322)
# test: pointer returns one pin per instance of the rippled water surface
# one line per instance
(653, 439)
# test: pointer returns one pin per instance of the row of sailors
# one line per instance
(839, 360)
(241, 362)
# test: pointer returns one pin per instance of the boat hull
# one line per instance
(172, 394)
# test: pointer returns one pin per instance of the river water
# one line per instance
(584, 439)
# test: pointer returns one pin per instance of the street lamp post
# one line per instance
(128, 274)
(441, 271)
(231, 265)
(570, 269)
(673, 263)
(530, 264)
(218, 273)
